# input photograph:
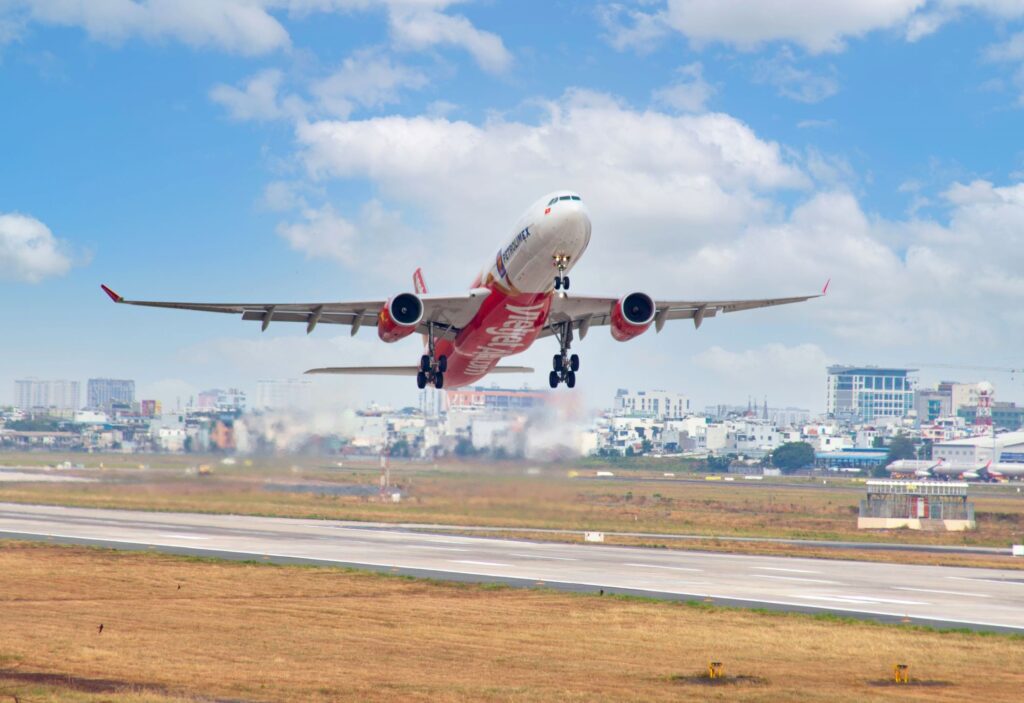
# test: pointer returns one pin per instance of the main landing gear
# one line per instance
(561, 262)
(431, 370)
(564, 365)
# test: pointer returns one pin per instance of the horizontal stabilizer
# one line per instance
(400, 370)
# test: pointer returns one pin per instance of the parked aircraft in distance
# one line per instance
(520, 297)
(982, 471)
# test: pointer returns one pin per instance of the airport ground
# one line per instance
(715, 515)
(185, 629)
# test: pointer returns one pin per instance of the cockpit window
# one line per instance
(574, 197)
(565, 197)
(552, 202)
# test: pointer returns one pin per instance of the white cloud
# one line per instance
(793, 82)
(367, 79)
(417, 25)
(632, 29)
(240, 26)
(321, 233)
(29, 251)
(689, 93)
(257, 99)
(788, 375)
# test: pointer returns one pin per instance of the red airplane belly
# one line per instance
(504, 325)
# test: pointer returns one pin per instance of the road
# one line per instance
(984, 599)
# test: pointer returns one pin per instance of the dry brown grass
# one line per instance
(260, 632)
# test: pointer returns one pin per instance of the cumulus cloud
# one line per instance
(258, 98)
(689, 92)
(419, 25)
(321, 233)
(29, 251)
(367, 79)
(788, 375)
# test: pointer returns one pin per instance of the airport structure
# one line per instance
(916, 505)
(103, 393)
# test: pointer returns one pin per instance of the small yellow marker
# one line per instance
(716, 670)
(901, 673)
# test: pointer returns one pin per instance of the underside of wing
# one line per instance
(584, 312)
(446, 314)
(399, 370)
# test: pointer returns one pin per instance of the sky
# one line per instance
(321, 150)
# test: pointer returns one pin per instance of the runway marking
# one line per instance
(606, 585)
(968, 578)
(538, 556)
(778, 568)
(795, 578)
(478, 563)
(430, 546)
(863, 600)
(935, 590)
(182, 536)
(659, 566)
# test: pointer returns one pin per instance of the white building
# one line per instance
(656, 403)
(1009, 447)
(33, 394)
(751, 437)
(866, 393)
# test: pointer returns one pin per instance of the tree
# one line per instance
(901, 447)
(719, 464)
(792, 456)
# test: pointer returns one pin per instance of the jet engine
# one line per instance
(399, 317)
(632, 316)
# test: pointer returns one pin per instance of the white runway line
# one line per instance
(862, 600)
(440, 549)
(935, 590)
(976, 580)
(478, 563)
(538, 556)
(796, 578)
(659, 566)
(779, 568)
(183, 537)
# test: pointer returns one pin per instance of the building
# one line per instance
(33, 394)
(865, 393)
(495, 399)
(972, 451)
(283, 394)
(961, 395)
(657, 404)
(230, 400)
(930, 405)
(916, 505)
(104, 393)
(1007, 416)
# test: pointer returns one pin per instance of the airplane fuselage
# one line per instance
(548, 240)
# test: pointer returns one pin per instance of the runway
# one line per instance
(984, 599)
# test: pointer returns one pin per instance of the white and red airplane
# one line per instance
(521, 297)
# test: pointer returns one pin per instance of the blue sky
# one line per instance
(299, 150)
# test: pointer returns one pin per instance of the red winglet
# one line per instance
(824, 291)
(113, 296)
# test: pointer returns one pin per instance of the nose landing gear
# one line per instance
(432, 369)
(564, 365)
(561, 262)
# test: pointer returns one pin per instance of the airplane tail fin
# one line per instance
(418, 283)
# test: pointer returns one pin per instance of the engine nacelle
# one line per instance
(399, 317)
(632, 316)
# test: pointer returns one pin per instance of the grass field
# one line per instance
(504, 496)
(179, 629)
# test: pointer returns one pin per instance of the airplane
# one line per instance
(518, 298)
(989, 471)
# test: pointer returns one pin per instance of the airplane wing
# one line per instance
(400, 370)
(584, 312)
(448, 314)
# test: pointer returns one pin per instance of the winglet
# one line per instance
(113, 296)
(824, 291)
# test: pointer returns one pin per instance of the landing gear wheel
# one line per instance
(565, 283)
(557, 364)
(424, 363)
(442, 363)
(558, 282)
(570, 379)
(574, 363)
(438, 380)
(553, 379)
(421, 380)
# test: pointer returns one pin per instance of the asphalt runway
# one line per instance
(984, 599)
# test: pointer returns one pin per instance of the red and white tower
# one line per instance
(983, 416)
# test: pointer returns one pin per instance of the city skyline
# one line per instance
(179, 158)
